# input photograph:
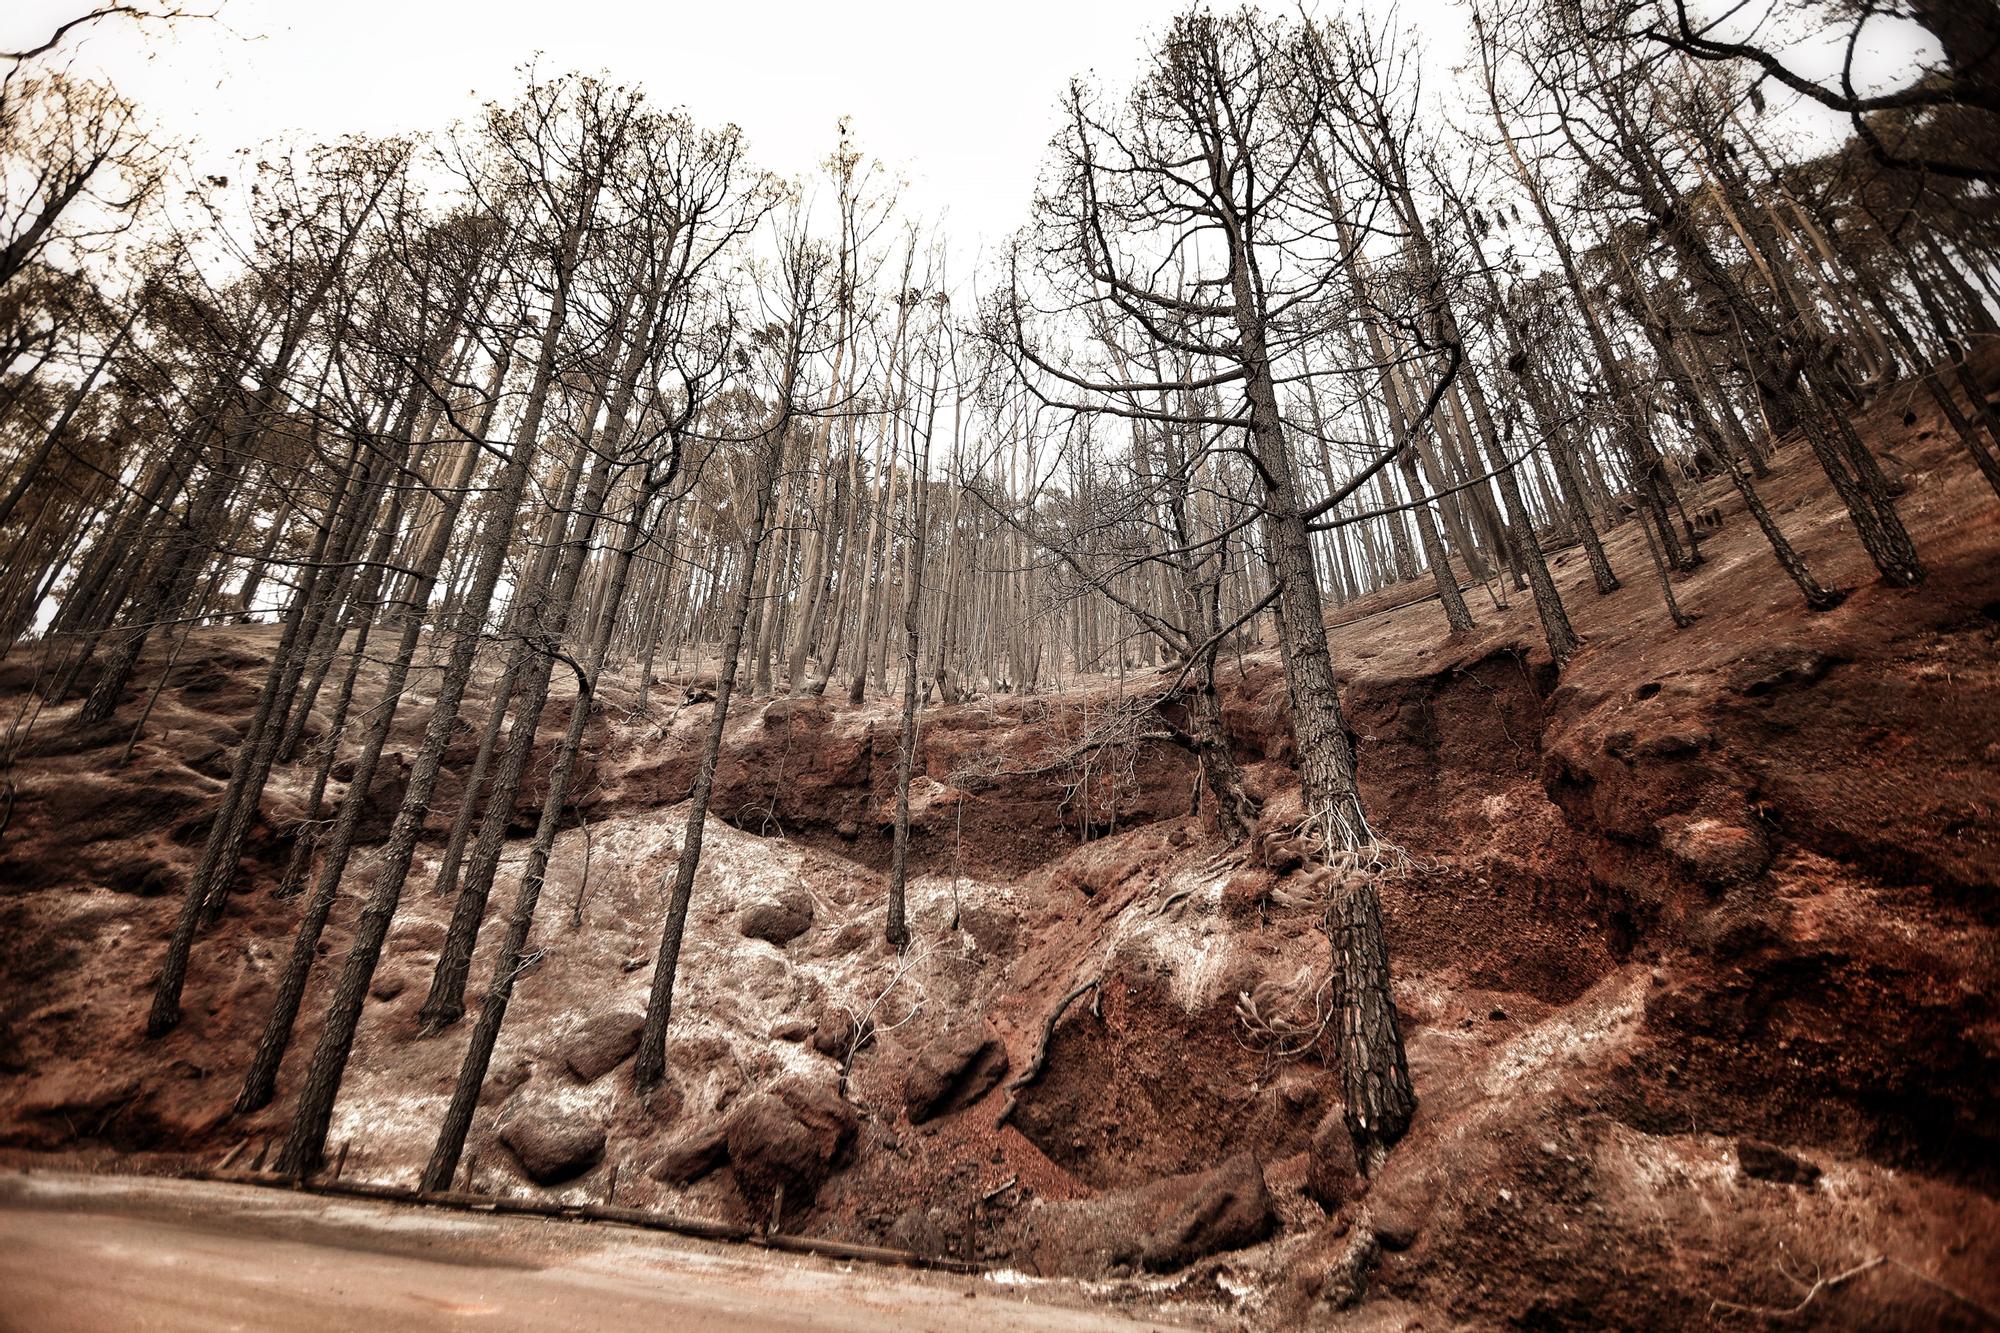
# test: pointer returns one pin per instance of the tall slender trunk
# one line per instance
(1374, 1070)
(651, 1063)
(415, 594)
(314, 1114)
(897, 930)
(443, 1164)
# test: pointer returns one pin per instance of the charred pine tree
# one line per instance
(1202, 145)
(763, 455)
(586, 123)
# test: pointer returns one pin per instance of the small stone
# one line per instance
(779, 919)
(954, 1071)
(602, 1042)
(993, 928)
(833, 1033)
(425, 937)
(689, 1159)
(1331, 1172)
(506, 1078)
(791, 1136)
(920, 1232)
(1247, 891)
(855, 937)
(1674, 743)
(384, 798)
(553, 1143)
(1398, 1208)
(1716, 853)
(1739, 933)
(1228, 1208)
(1781, 665)
(1297, 1089)
(1396, 1228)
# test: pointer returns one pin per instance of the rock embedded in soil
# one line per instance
(993, 929)
(1767, 1161)
(806, 711)
(955, 1070)
(505, 1079)
(212, 762)
(384, 799)
(833, 1033)
(919, 1230)
(1248, 890)
(856, 937)
(688, 1159)
(1776, 666)
(1332, 1175)
(1398, 1206)
(1298, 1089)
(1743, 925)
(552, 1141)
(1674, 742)
(778, 919)
(602, 1042)
(1226, 1209)
(1165, 1224)
(417, 936)
(791, 1136)
(147, 877)
(1396, 1227)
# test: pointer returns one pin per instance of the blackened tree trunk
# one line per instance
(897, 929)
(261, 1081)
(513, 959)
(314, 1114)
(651, 1063)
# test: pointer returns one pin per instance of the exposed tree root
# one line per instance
(1823, 1284)
(1039, 1061)
(1346, 1281)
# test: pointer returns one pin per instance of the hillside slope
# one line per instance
(1694, 949)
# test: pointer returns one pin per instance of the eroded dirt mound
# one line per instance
(1712, 901)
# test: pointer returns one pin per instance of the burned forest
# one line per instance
(1383, 711)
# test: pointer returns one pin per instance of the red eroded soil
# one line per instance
(1732, 882)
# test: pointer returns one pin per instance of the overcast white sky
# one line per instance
(958, 98)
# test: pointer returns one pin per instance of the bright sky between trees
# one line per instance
(958, 100)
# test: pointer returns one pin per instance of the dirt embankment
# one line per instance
(1694, 950)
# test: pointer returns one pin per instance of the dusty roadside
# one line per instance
(103, 1253)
